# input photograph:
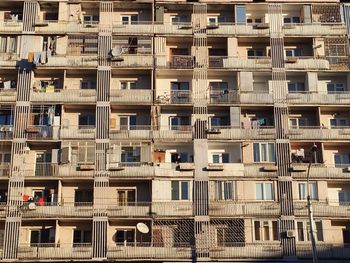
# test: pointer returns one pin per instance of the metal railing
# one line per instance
(41, 132)
(45, 169)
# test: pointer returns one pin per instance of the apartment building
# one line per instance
(174, 130)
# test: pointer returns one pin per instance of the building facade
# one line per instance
(174, 130)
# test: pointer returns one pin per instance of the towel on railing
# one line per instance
(30, 57)
(36, 57)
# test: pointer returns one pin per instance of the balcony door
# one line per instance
(125, 237)
(126, 196)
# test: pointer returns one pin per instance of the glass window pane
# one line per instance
(175, 190)
(272, 152)
(240, 14)
(216, 158)
(228, 191)
(300, 231)
(263, 152)
(259, 191)
(184, 191)
(268, 191)
(225, 158)
(256, 152)
(319, 233)
(313, 191)
(257, 230)
(302, 191)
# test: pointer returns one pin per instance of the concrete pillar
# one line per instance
(232, 47)
(245, 81)
(311, 81)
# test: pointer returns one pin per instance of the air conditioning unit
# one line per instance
(215, 167)
(214, 131)
(290, 233)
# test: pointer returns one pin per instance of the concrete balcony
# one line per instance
(64, 27)
(88, 61)
(174, 208)
(54, 252)
(247, 251)
(135, 28)
(150, 251)
(42, 132)
(237, 133)
(6, 132)
(320, 171)
(137, 132)
(132, 171)
(260, 170)
(176, 97)
(225, 169)
(324, 251)
(8, 60)
(244, 209)
(173, 29)
(223, 97)
(174, 170)
(134, 61)
(129, 210)
(70, 171)
(9, 95)
(314, 29)
(55, 210)
(174, 62)
(237, 29)
(256, 98)
(77, 96)
(322, 98)
(139, 96)
(11, 27)
(322, 209)
(319, 133)
(306, 63)
(252, 63)
(182, 132)
(77, 132)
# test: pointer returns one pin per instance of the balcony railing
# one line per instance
(319, 98)
(42, 132)
(131, 132)
(6, 132)
(69, 170)
(11, 26)
(8, 59)
(133, 170)
(56, 210)
(324, 251)
(260, 170)
(134, 61)
(323, 209)
(224, 96)
(319, 133)
(256, 97)
(146, 250)
(222, 62)
(237, 133)
(142, 96)
(65, 95)
(178, 132)
(181, 28)
(54, 251)
(45, 169)
(78, 132)
(5, 169)
(249, 208)
(135, 27)
(307, 63)
(320, 171)
(69, 61)
(175, 97)
(314, 29)
(8, 95)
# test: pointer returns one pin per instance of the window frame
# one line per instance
(273, 233)
(267, 153)
(180, 190)
(264, 191)
(313, 191)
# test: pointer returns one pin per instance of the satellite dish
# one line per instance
(31, 206)
(117, 51)
(143, 228)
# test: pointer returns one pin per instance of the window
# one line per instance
(130, 155)
(86, 152)
(218, 86)
(291, 20)
(179, 158)
(221, 157)
(266, 231)
(8, 44)
(83, 197)
(338, 122)
(335, 87)
(180, 190)
(127, 84)
(127, 122)
(215, 20)
(344, 198)
(293, 52)
(49, 16)
(341, 159)
(224, 190)
(296, 123)
(240, 14)
(179, 122)
(178, 19)
(91, 19)
(88, 84)
(86, 121)
(180, 86)
(42, 236)
(218, 121)
(125, 237)
(255, 53)
(312, 191)
(81, 237)
(254, 20)
(264, 152)
(6, 118)
(129, 19)
(303, 229)
(264, 191)
(296, 87)
(126, 196)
